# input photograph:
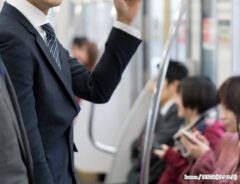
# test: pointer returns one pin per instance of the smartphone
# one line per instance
(157, 146)
(188, 136)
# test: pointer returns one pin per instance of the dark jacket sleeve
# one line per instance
(99, 85)
(19, 64)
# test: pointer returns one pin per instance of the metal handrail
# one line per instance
(97, 144)
(153, 111)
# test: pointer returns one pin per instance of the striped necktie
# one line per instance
(51, 41)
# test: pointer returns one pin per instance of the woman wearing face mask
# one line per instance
(196, 96)
(225, 160)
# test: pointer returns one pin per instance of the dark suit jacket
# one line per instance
(166, 127)
(15, 157)
(47, 94)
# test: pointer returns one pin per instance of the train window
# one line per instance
(236, 36)
(158, 29)
(181, 44)
(209, 39)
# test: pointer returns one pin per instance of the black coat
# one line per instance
(15, 157)
(47, 94)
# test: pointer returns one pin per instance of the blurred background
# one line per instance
(208, 42)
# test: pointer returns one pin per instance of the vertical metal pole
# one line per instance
(166, 19)
(146, 40)
(144, 177)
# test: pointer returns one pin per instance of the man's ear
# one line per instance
(174, 85)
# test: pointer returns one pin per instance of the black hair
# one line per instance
(79, 41)
(176, 71)
(198, 93)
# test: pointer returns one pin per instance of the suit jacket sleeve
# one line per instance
(20, 66)
(99, 85)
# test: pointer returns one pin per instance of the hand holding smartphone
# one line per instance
(194, 145)
(189, 136)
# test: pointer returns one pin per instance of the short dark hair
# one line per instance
(229, 94)
(79, 41)
(176, 71)
(198, 93)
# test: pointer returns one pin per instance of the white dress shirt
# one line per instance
(37, 18)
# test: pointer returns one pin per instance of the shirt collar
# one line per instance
(167, 106)
(35, 16)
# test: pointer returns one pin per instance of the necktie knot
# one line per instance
(49, 30)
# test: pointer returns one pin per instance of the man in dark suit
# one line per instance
(47, 79)
(167, 125)
(15, 157)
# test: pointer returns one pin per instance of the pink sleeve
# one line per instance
(175, 160)
(214, 134)
(175, 164)
(205, 165)
(222, 160)
(208, 164)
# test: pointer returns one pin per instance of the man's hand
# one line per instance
(127, 10)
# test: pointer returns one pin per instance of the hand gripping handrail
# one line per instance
(97, 144)
(153, 111)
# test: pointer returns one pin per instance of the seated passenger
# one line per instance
(195, 99)
(92, 55)
(225, 159)
(15, 158)
(85, 51)
(167, 124)
(80, 49)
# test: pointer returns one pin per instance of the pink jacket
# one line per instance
(177, 166)
(224, 160)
